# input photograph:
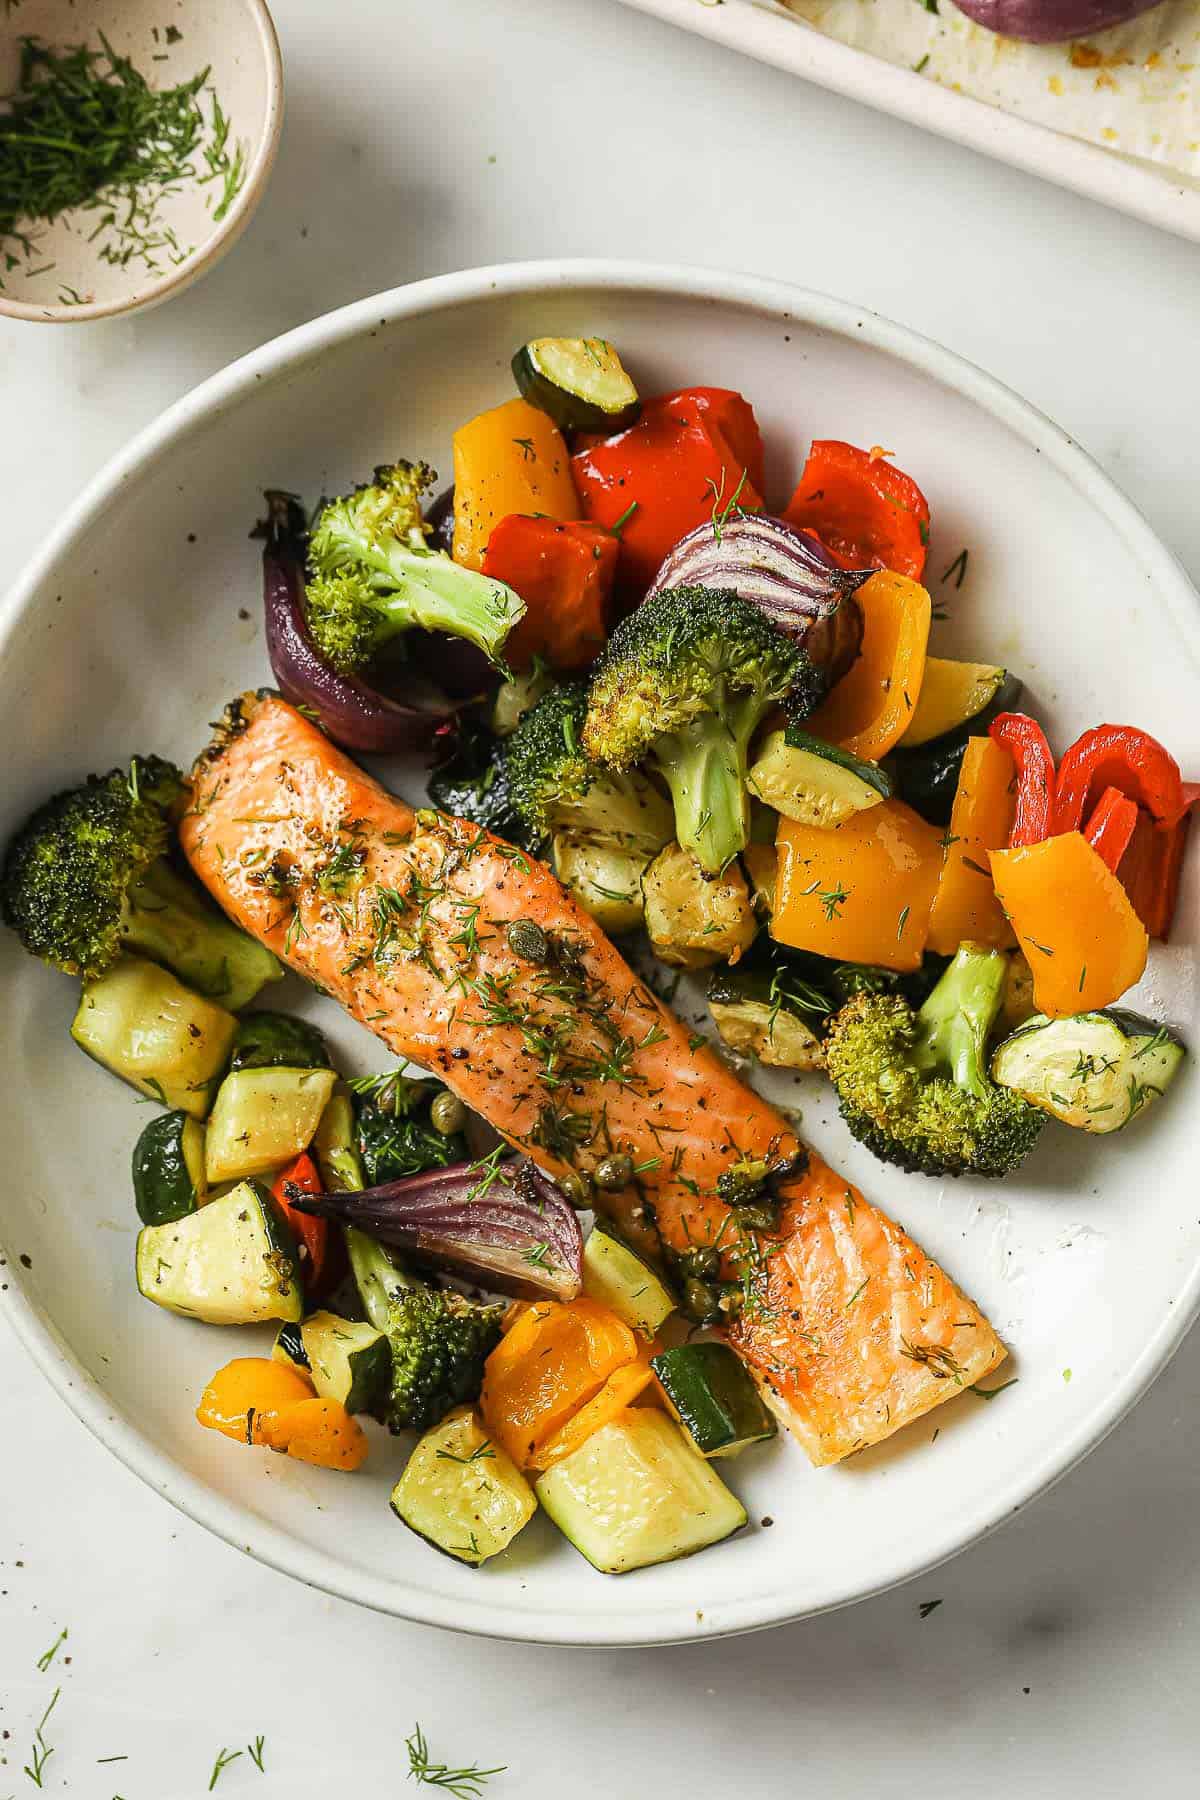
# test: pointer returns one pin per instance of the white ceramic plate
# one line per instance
(142, 617)
(771, 34)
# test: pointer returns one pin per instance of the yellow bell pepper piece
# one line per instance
(868, 710)
(1073, 919)
(861, 892)
(965, 907)
(509, 460)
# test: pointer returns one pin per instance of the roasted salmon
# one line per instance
(468, 957)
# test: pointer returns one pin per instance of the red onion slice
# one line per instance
(354, 714)
(785, 572)
(507, 1226)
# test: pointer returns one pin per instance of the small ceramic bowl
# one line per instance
(82, 267)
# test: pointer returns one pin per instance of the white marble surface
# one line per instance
(1065, 1656)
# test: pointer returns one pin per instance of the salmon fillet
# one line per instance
(420, 926)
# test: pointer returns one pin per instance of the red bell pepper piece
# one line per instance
(564, 574)
(1111, 826)
(1150, 868)
(866, 512)
(1025, 742)
(690, 454)
(1123, 757)
(312, 1235)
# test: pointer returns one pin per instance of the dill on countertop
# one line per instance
(85, 129)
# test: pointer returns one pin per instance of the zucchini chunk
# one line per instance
(577, 382)
(952, 695)
(349, 1362)
(757, 1012)
(606, 879)
(288, 1347)
(462, 1493)
(813, 782)
(168, 1168)
(619, 1278)
(714, 1398)
(926, 775)
(141, 1023)
(693, 921)
(271, 1040)
(232, 1263)
(1095, 1071)
(636, 1493)
(336, 1145)
(263, 1118)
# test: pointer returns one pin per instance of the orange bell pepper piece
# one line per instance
(965, 907)
(555, 1356)
(1074, 921)
(861, 892)
(564, 572)
(867, 513)
(509, 460)
(868, 710)
(246, 1391)
(320, 1432)
(619, 1391)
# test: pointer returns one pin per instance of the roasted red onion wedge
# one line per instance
(1052, 21)
(502, 1224)
(785, 572)
(354, 714)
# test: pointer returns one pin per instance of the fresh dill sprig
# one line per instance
(41, 1752)
(465, 1784)
(224, 1758)
(85, 130)
(44, 1661)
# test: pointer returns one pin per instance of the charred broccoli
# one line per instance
(85, 878)
(555, 788)
(372, 576)
(439, 1340)
(397, 1129)
(683, 684)
(912, 1085)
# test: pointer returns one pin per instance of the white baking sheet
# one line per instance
(1117, 118)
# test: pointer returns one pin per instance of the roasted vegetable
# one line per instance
(693, 920)
(396, 1135)
(684, 684)
(786, 573)
(372, 577)
(1074, 921)
(913, 1085)
(471, 781)
(85, 879)
(965, 908)
(439, 1340)
(1053, 21)
(510, 459)
(461, 1493)
(552, 1361)
(861, 893)
(579, 382)
(501, 1223)
(863, 509)
(953, 695)
(812, 781)
(605, 879)
(759, 1012)
(1095, 1070)
(353, 713)
(555, 788)
(563, 570)
(926, 775)
(869, 709)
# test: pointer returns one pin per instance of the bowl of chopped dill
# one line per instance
(136, 139)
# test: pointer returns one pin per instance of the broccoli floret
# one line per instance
(85, 878)
(439, 1339)
(372, 576)
(683, 684)
(555, 788)
(912, 1085)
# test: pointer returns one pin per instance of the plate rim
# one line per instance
(237, 1523)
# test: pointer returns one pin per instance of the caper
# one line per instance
(575, 1188)
(447, 1114)
(757, 1218)
(528, 941)
(700, 1262)
(701, 1302)
(614, 1173)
